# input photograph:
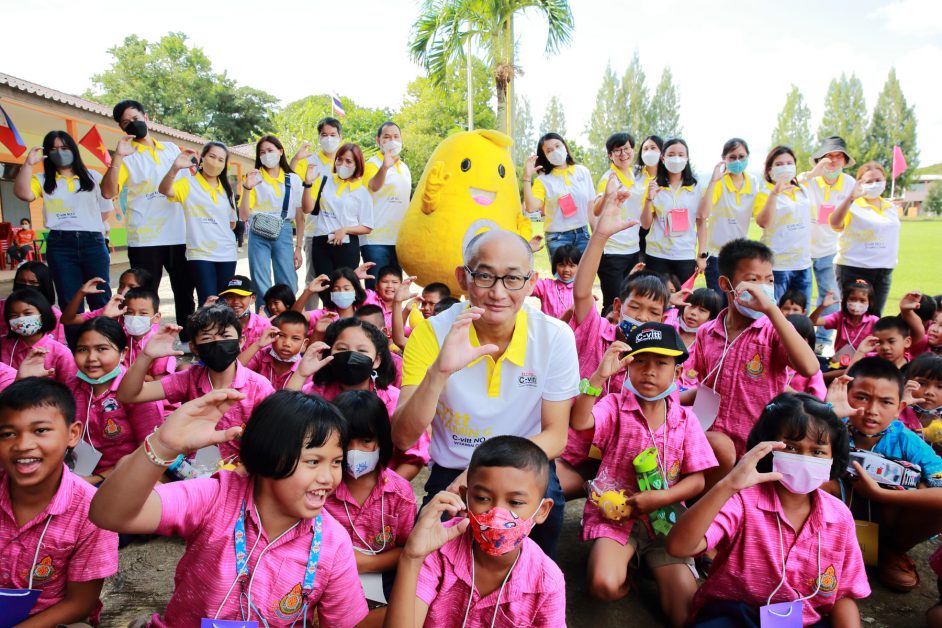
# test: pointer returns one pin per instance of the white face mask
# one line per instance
(359, 463)
(783, 173)
(675, 165)
(137, 325)
(856, 308)
(651, 157)
(295, 358)
(687, 328)
(392, 147)
(269, 160)
(873, 190)
(330, 143)
(558, 156)
(345, 172)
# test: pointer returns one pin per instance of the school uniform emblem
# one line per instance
(827, 582)
(754, 367)
(288, 606)
(44, 571)
(385, 537)
(674, 472)
(112, 429)
(109, 405)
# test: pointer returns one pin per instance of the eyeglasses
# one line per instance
(488, 280)
(624, 150)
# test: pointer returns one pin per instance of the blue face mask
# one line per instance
(628, 386)
(565, 281)
(737, 167)
(627, 324)
(343, 300)
(107, 377)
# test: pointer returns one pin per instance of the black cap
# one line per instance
(240, 285)
(657, 338)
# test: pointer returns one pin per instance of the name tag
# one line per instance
(227, 623)
(706, 406)
(15, 605)
(824, 214)
(782, 615)
(567, 206)
(86, 459)
(678, 220)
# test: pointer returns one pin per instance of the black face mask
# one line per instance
(351, 367)
(137, 128)
(218, 355)
(19, 286)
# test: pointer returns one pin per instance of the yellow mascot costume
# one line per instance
(469, 186)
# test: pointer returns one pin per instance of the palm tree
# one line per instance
(444, 27)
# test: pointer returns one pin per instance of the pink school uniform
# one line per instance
(13, 351)
(554, 295)
(813, 385)
(753, 371)
(263, 363)
(7, 375)
(397, 361)
(194, 382)
(621, 433)
(204, 512)
(748, 565)
(254, 327)
(115, 429)
(908, 418)
(58, 333)
(385, 519)
(535, 593)
(73, 548)
(847, 333)
(166, 365)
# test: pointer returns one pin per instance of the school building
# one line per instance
(36, 110)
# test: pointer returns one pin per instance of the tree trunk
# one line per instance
(503, 76)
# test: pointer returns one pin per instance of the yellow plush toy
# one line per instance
(469, 186)
(933, 432)
(612, 504)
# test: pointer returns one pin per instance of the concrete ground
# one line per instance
(144, 582)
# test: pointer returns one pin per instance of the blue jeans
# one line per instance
(381, 255)
(210, 277)
(824, 278)
(266, 255)
(786, 280)
(712, 275)
(576, 237)
(74, 257)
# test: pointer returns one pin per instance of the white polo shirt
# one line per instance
(870, 238)
(789, 233)
(152, 220)
(344, 204)
(70, 209)
(323, 167)
(628, 241)
(390, 202)
(209, 237)
(824, 200)
(575, 181)
(268, 196)
(492, 398)
(669, 237)
(732, 210)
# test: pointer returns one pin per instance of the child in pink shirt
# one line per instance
(780, 538)
(813, 385)
(277, 353)
(56, 549)
(641, 417)
(31, 321)
(555, 294)
(373, 314)
(442, 564)
(923, 393)
(35, 275)
(214, 338)
(259, 547)
(341, 293)
(853, 321)
(129, 279)
(239, 295)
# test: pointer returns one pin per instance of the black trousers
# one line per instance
(171, 257)
(681, 268)
(328, 257)
(612, 272)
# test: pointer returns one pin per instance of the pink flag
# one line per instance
(899, 162)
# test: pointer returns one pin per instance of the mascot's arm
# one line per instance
(433, 187)
(524, 226)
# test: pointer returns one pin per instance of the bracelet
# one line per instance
(153, 457)
(526, 180)
(245, 188)
(307, 185)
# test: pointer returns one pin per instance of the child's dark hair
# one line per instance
(280, 292)
(107, 327)
(672, 282)
(143, 277)
(38, 392)
(367, 417)
(858, 285)
(444, 304)
(344, 272)
(291, 317)
(567, 253)
(794, 416)
(927, 308)
(927, 366)
(511, 451)
(284, 424)
(213, 318)
(892, 323)
(877, 368)
(385, 371)
(370, 309)
(33, 297)
(803, 326)
(143, 293)
(708, 299)
(386, 271)
(645, 284)
(740, 249)
(43, 276)
(797, 297)
(438, 288)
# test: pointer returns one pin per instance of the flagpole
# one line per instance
(893, 188)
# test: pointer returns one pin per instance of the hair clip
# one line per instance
(771, 407)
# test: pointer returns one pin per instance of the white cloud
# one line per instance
(912, 17)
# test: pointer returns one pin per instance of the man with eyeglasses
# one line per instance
(488, 367)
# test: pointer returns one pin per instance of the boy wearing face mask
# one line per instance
(215, 339)
(625, 424)
(239, 295)
(277, 353)
(472, 571)
(141, 320)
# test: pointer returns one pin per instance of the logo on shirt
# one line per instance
(288, 606)
(110, 404)
(754, 368)
(385, 537)
(44, 571)
(827, 582)
(674, 472)
(527, 378)
(112, 429)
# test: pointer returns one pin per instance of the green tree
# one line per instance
(554, 118)
(933, 202)
(635, 101)
(608, 117)
(664, 110)
(297, 123)
(524, 135)
(794, 128)
(845, 114)
(178, 87)
(444, 27)
(893, 123)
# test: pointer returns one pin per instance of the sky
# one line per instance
(733, 62)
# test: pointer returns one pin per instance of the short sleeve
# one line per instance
(145, 418)
(253, 198)
(421, 351)
(365, 210)
(175, 386)
(342, 602)
(300, 168)
(759, 204)
(920, 452)
(95, 555)
(36, 187)
(123, 175)
(297, 190)
(370, 170)
(184, 504)
(181, 189)
(727, 523)
(539, 190)
(717, 192)
(831, 321)
(605, 413)
(539, 290)
(562, 382)
(430, 577)
(406, 515)
(603, 184)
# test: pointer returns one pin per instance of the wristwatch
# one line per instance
(304, 184)
(586, 388)
(703, 255)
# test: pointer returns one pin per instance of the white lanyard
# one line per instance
(852, 343)
(661, 461)
(499, 593)
(32, 569)
(727, 345)
(817, 580)
(86, 433)
(369, 551)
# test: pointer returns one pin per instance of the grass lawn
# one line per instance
(920, 259)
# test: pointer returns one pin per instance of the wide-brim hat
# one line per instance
(833, 144)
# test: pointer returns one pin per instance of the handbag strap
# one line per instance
(317, 201)
(284, 204)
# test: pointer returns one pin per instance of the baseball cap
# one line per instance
(240, 285)
(657, 338)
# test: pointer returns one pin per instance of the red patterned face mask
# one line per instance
(499, 530)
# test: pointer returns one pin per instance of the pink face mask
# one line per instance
(801, 474)
(499, 530)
